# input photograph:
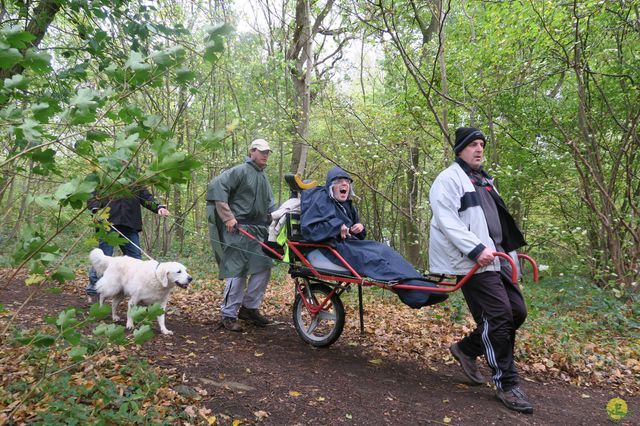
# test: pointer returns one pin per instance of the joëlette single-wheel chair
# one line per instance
(318, 311)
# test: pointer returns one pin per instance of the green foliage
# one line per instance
(98, 312)
(573, 306)
(32, 247)
(65, 347)
(102, 399)
(214, 41)
(85, 125)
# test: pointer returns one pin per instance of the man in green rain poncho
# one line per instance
(242, 196)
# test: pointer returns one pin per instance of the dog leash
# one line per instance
(155, 272)
(175, 222)
(133, 244)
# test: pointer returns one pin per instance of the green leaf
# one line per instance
(17, 37)
(171, 161)
(115, 333)
(138, 313)
(43, 111)
(209, 54)
(212, 140)
(9, 57)
(43, 340)
(142, 334)
(212, 48)
(154, 311)
(101, 329)
(218, 30)
(168, 57)
(98, 312)
(66, 190)
(216, 44)
(72, 336)
(184, 75)
(11, 113)
(84, 100)
(112, 238)
(83, 106)
(115, 73)
(63, 274)
(77, 353)
(130, 112)
(135, 62)
(36, 61)
(152, 121)
(45, 201)
(128, 143)
(82, 117)
(96, 135)
(66, 318)
(141, 70)
(45, 161)
(83, 147)
(162, 148)
(16, 82)
(30, 130)
(75, 192)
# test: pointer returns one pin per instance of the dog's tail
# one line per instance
(99, 260)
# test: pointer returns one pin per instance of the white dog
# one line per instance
(144, 282)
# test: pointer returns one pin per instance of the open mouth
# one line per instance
(343, 191)
(182, 285)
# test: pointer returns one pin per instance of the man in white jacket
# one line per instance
(470, 222)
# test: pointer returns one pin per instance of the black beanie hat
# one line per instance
(466, 135)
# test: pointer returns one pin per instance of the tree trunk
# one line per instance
(302, 89)
(410, 231)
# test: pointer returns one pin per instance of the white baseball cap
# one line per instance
(260, 145)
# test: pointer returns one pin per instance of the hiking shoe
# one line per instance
(254, 316)
(231, 324)
(515, 399)
(468, 365)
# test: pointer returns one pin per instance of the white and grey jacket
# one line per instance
(459, 230)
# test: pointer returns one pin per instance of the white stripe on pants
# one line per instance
(235, 294)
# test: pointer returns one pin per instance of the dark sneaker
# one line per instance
(231, 324)
(468, 365)
(254, 316)
(515, 399)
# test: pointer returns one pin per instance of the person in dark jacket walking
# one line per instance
(470, 222)
(125, 215)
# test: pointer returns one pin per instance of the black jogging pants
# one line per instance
(498, 309)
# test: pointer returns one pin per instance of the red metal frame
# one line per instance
(358, 279)
(343, 282)
(450, 286)
(315, 309)
(533, 263)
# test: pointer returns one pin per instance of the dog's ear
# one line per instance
(163, 275)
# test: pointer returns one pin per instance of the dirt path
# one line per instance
(269, 376)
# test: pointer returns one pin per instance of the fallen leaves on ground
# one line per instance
(395, 331)
(392, 332)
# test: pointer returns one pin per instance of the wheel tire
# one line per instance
(327, 326)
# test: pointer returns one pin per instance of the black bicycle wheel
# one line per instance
(326, 326)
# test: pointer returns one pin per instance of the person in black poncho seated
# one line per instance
(329, 216)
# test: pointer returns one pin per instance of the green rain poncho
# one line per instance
(247, 191)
